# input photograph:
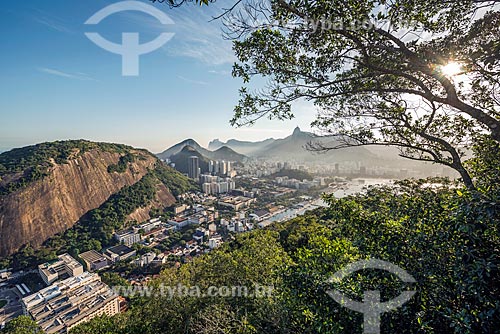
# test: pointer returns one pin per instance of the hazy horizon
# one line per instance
(253, 138)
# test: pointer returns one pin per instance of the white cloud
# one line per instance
(197, 35)
(77, 75)
(220, 72)
(198, 38)
(50, 20)
(52, 24)
(196, 82)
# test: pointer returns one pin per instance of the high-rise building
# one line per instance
(204, 178)
(223, 187)
(207, 188)
(211, 167)
(193, 167)
(223, 167)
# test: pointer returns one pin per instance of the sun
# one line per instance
(451, 69)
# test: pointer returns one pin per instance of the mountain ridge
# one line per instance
(295, 147)
(72, 178)
(174, 149)
(181, 159)
(240, 146)
(221, 153)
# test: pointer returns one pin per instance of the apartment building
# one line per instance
(70, 302)
(127, 237)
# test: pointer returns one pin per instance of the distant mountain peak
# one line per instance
(179, 147)
(215, 142)
(298, 133)
(224, 148)
(191, 142)
(189, 148)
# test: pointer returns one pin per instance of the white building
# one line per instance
(68, 303)
(65, 266)
(145, 259)
(212, 228)
(148, 226)
(127, 237)
(214, 242)
(179, 222)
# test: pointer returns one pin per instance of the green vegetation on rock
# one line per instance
(95, 229)
(122, 164)
(22, 166)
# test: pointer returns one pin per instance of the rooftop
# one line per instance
(179, 219)
(235, 200)
(124, 232)
(65, 303)
(120, 250)
(59, 266)
(92, 256)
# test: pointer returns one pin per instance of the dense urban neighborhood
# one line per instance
(232, 198)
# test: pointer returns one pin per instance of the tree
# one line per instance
(21, 325)
(101, 325)
(380, 72)
(173, 3)
(113, 279)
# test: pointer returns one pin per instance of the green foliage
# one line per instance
(122, 164)
(447, 239)
(100, 325)
(485, 166)
(22, 166)
(113, 279)
(176, 182)
(21, 325)
(252, 259)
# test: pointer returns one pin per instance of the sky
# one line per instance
(56, 84)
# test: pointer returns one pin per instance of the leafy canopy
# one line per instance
(375, 70)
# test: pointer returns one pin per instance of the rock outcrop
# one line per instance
(56, 202)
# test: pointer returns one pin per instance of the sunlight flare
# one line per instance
(451, 69)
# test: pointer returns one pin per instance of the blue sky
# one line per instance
(56, 84)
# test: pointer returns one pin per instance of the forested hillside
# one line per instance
(444, 236)
(456, 283)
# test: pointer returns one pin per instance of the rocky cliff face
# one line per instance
(163, 199)
(56, 202)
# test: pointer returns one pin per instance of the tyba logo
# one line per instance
(371, 306)
(130, 49)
